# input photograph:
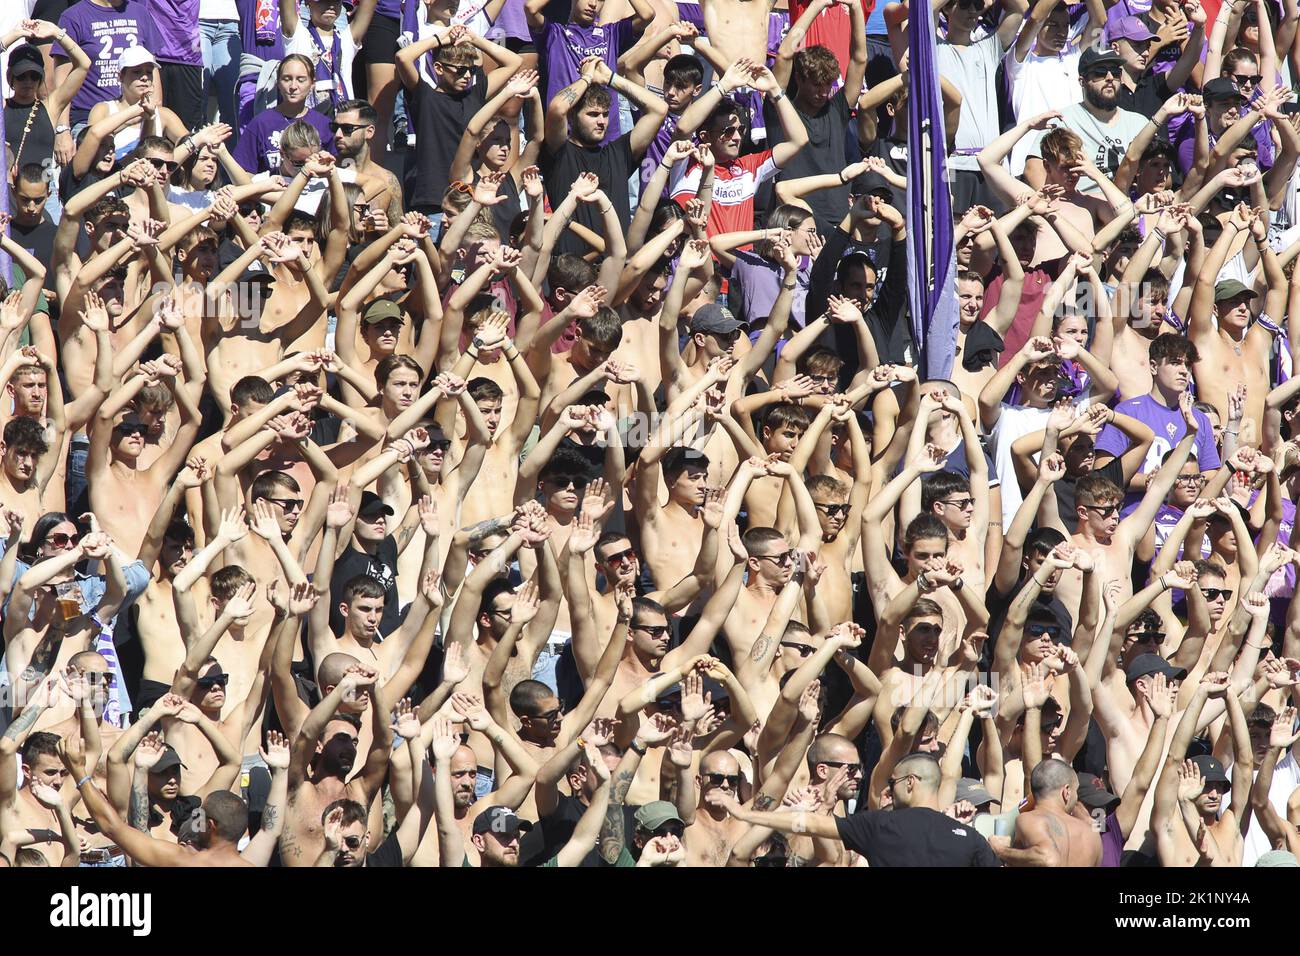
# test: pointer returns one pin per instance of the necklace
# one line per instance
(27, 128)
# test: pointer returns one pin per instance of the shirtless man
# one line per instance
(710, 831)
(1231, 349)
(1058, 830)
(216, 843)
(322, 758)
(354, 132)
(27, 462)
(1189, 794)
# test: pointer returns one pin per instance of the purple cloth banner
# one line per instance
(931, 266)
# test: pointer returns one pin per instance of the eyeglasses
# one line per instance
(621, 556)
(961, 504)
(895, 781)
(1103, 511)
(1154, 637)
(853, 766)
(825, 379)
(718, 779)
(347, 128)
(654, 630)
(61, 540)
(833, 511)
(1213, 594)
(1191, 481)
(1102, 72)
(288, 504)
(803, 650)
(167, 165)
(131, 428)
(785, 557)
(216, 680)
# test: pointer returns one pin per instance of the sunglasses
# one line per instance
(352, 842)
(453, 69)
(895, 781)
(250, 210)
(803, 650)
(833, 511)
(961, 504)
(1102, 72)
(347, 129)
(61, 540)
(785, 557)
(1038, 630)
(621, 556)
(970, 4)
(460, 186)
(439, 444)
(1155, 637)
(854, 767)
(548, 717)
(654, 630)
(771, 859)
(1247, 80)
(718, 779)
(288, 504)
(167, 165)
(563, 482)
(216, 680)
(1213, 594)
(672, 828)
(1103, 511)
(131, 428)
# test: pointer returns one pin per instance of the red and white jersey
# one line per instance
(734, 187)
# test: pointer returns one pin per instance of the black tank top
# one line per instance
(38, 147)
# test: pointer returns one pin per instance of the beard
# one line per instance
(1100, 99)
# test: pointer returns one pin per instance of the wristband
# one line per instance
(840, 174)
(84, 780)
(776, 96)
(1163, 584)
(923, 583)
(641, 750)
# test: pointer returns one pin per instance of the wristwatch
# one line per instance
(60, 130)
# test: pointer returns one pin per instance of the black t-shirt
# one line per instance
(382, 566)
(555, 829)
(440, 122)
(38, 240)
(38, 146)
(388, 853)
(823, 154)
(914, 836)
(1151, 93)
(1065, 490)
(612, 164)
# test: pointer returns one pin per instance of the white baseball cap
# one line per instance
(135, 56)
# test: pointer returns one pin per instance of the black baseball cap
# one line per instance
(26, 59)
(500, 819)
(1094, 795)
(1094, 57)
(1146, 664)
(1220, 88)
(712, 317)
(170, 758)
(1211, 770)
(371, 503)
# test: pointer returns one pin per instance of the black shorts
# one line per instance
(183, 93)
(379, 45)
(150, 692)
(522, 47)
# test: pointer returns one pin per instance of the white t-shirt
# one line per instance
(314, 191)
(303, 42)
(1014, 422)
(973, 70)
(1039, 84)
(1103, 143)
(1286, 777)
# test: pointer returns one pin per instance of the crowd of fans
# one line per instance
(453, 434)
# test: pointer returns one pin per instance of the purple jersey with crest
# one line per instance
(102, 33)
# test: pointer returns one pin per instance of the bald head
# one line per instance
(88, 661)
(922, 773)
(1052, 776)
(333, 667)
(720, 761)
(834, 748)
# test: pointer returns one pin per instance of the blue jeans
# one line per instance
(544, 669)
(74, 484)
(483, 781)
(222, 48)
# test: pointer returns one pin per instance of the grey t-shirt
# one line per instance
(1103, 143)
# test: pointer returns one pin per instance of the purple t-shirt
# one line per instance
(1169, 428)
(658, 146)
(103, 33)
(565, 45)
(1182, 131)
(259, 28)
(171, 30)
(389, 8)
(258, 150)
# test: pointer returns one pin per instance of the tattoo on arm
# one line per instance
(486, 528)
(611, 833)
(570, 96)
(138, 817)
(764, 802)
(23, 722)
(761, 647)
(269, 815)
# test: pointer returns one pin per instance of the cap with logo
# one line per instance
(1127, 28)
(1211, 770)
(1094, 57)
(712, 317)
(1094, 796)
(256, 270)
(170, 758)
(500, 820)
(972, 791)
(1220, 88)
(382, 309)
(1145, 665)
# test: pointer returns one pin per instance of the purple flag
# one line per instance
(931, 267)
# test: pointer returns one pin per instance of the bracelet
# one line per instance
(84, 780)
(606, 208)
(923, 583)
(641, 750)
(840, 174)
(1163, 584)
(776, 96)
